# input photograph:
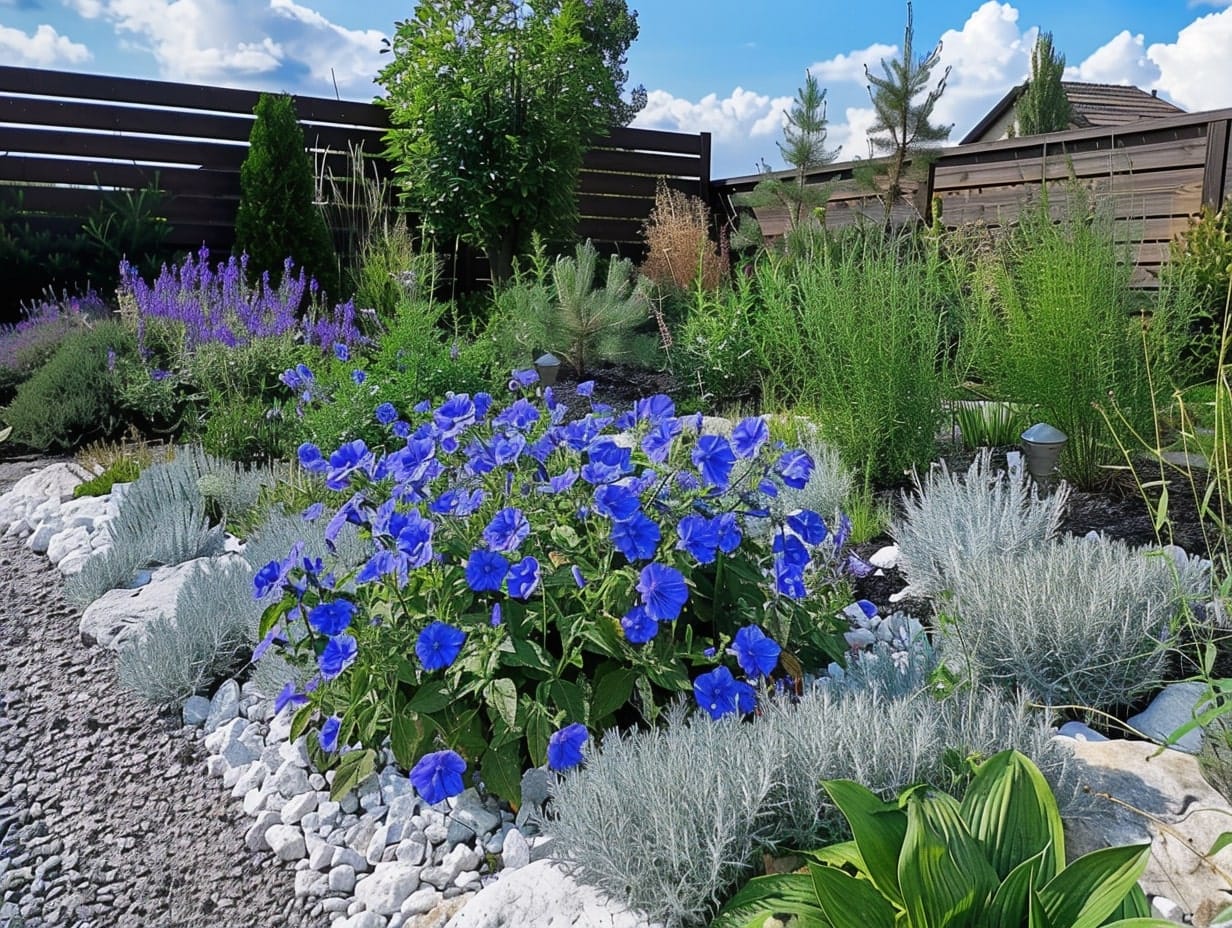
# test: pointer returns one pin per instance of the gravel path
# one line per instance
(106, 815)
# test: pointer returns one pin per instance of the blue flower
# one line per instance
(713, 458)
(790, 549)
(699, 536)
(349, 458)
(342, 352)
(730, 535)
(808, 526)
(289, 697)
(843, 532)
(524, 378)
(636, 538)
(858, 567)
(386, 413)
(421, 407)
(508, 529)
(438, 645)
(586, 388)
(330, 728)
(524, 578)
(638, 626)
(358, 376)
(331, 618)
(519, 415)
(577, 576)
(657, 443)
(455, 415)
(313, 512)
(749, 435)
(438, 776)
(310, 458)
(565, 746)
(756, 653)
(663, 590)
(485, 570)
(266, 643)
(266, 579)
(560, 482)
(617, 502)
(789, 579)
(720, 694)
(607, 462)
(795, 467)
(339, 654)
(654, 408)
(495, 621)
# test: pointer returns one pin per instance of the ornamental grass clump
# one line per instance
(528, 573)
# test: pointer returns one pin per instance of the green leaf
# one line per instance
(1134, 905)
(410, 736)
(1223, 919)
(501, 769)
(528, 654)
(1086, 892)
(612, 689)
(878, 829)
(1220, 843)
(843, 855)
(1012, 899)
(502, 695)
(352, 769)
(850, 902)
(432, 696)
(301, 720)
(1010, 810)
(271, 616)
(569, 697)
(763, 896)
(945, 879)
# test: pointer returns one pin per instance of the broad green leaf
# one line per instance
(271, 616)
(1012, 899)
(527, 654)
(352, 769)
(763, 896)
(612, 690)
(433, 696)
(1151, 923)
(1223, 919)
(1134, 905)
(1220, 843)
(302, 718)
(410, 736)
(878, 829)
(501, 769)
(1037, 914)
(945, 879)
(850, 902)
(1090, 889)
(842, 855)
(569, 697)
(1010, 810)
(502, 695)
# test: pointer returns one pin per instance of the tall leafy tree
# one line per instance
(804, 148)
(903, 131)
(492, 106)
(1043, 106)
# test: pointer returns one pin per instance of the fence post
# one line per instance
(703, 182)
(1215, 180)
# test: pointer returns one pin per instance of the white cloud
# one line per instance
(1121, 60)
(42, 49)
(850, 67)
(235, 41)
(1195, 71)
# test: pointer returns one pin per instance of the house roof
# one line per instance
(1093, 105)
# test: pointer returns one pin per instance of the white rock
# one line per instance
(1173, 707)
(224, 707)
(251, 779)
(382, 837)
(515, 852)
(342, 879)
(56, 481)
(859, 638)
(310, 884)
(1081, 731)
(1165, 908)
(328, 812)
(72, 564)
(222, 735)
(299, 806)
(254, 801)
(321, 856)
(117, 614)
(286, 841)
(196, 710)
(421, 901)
(65, 544)
(542, 894)
(42, 535)
(254, 837)
(235, 756)
(289, 780)
(362, 920)
(344, 855)
(886, 558)
(412, 849)
(387, 887)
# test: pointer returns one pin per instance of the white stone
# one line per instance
(469, 819)
(543, 894)
(412, 849)
(344, 855)
(254, 801)
(382, 837)
(67, 543)
(56, 481)
(289, 780)
(196, 710)
(254, 838)
(235, 756)
(1165, 908)
(387, 887)
(886, 558)
(72, 564)
(42, 535)
(515, 852)
(362, 920)
(297, 807)
(117, 614)
(1173, 707)
(321, 856)
(342, 879)
(328, 812)
(310, 884)
(224, 707)
(859, 638)
(421, 901)
(286, 841)
(1081, 731)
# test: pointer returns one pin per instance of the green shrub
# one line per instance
(125, 471)
(72, 398)
(712, 352)
(277, 218)
(248, 429)
(927, 859)
(1203, 255)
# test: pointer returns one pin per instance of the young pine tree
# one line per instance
(903, 130)
(804, 148)
(1043, 106)
(277, 217)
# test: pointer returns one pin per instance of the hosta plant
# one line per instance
(532, 579)
(997, 857)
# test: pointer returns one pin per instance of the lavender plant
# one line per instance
(529, 575)
(27, 344)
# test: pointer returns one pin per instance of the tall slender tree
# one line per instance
(903, 131)
(1043, 106)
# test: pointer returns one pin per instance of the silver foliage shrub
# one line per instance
(232, 489)
(207, 638)
(1081, 621)
(952, 521)
(670, 821)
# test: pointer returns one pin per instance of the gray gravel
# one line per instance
(107, 817)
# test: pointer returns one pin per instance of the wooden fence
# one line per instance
(1153, 174)
(65, 138)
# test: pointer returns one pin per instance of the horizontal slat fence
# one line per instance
(66, 138)
(1152, 174)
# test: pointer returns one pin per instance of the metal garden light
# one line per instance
(547, 366)
(1042, 445)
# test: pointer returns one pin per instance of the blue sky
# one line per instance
(709, 65)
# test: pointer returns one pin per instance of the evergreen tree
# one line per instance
(277, 216)
(1043, 106)
(902, 131)
(804, 148)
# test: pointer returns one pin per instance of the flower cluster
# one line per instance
(534, 578)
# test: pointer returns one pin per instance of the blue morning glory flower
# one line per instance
(508, 529)
(657, 443)
(421, 407)
(858, 567)
(310, 458)
(438, 645)
(663, 590)
(438, 775)
(586, 388)
(749, 435)
(843, 532)
(339, 654)
(266, 643)
(714, 460)
(607, 462)
(349, 458)
(342, 352)
(720, 694)
(700, 537)
(795, 467)
(617, 502)
(565, 746)
(313, 512)
(636, 538)
(523, 379)
(730, 536)
(654, 408)
(289, 697)
(495, 621)
(328, 736)
(756, 653)
(524, 578)
(560, 482)
(808, 526)
(789, 579)
(485, 570)
(483, 402)
(266, 579)
(790, 548)
(455, 415)
(386, 413)
(638, 626)
(331, 618)
(519, 415)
